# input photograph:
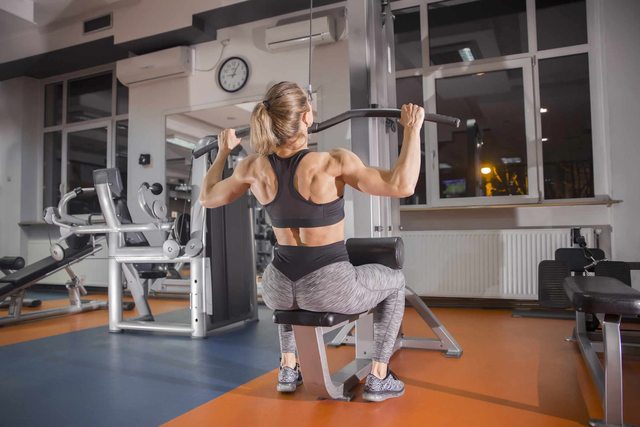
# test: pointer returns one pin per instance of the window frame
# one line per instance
(431, 137)
(597, 107)
(65, 128)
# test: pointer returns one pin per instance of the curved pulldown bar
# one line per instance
(211, 142)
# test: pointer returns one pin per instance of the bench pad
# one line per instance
(604, 295)
(311, 318)
(40, 269)
(11, 263)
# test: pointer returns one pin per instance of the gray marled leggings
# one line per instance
(341, 288)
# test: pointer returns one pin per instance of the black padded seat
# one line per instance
(604, 295)
(152, 274)
(311, 318)
(11, 263)
(39, 269)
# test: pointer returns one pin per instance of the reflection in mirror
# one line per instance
(183, 130)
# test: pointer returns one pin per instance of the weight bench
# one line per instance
(609, 299)
(14, 286)
(8, 265)
(310, 327)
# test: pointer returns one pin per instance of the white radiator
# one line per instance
(481, 263)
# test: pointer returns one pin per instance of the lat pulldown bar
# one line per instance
(211, 142)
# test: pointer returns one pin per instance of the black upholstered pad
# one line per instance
(311, 318)
(40, 269)
(11, 262)
(604, 295)
(387, 251)
(152, 274)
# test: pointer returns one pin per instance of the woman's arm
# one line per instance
(215, 191)
(400, 181)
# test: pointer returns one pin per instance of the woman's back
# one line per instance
(315, 179)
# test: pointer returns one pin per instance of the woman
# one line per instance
(302, 192)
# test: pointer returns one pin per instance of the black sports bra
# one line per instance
(289, 209)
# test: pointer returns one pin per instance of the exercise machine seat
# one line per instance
(39, 269)
(311, 318)
(388, 251)
(11, 263)
(602, 295)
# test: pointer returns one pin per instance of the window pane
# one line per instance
(122, 101)
(87, 151)
(410, 90)
(406, 31)
(89, 98)
(52, 169)
(53, 104)
(566, 127)
(488, 155)
(561, 23)
(122, 150)
(476, 29)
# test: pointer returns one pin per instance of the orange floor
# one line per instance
(514, 372)
(35, 329)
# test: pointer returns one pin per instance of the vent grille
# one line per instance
(97, 24)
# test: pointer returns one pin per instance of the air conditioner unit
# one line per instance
(297, 33)
(174, 62)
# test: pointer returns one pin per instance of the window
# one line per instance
(53, 104)
(487, 156)
(561, 23)
(407, 43)
(566, 127)
(86, 151)
(409, 90)
(470, 30)
(122, 150)
(85, 128)
(516, 72)
(89, 98)
(52, 165)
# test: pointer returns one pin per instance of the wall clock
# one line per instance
(233, 74)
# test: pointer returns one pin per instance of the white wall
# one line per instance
(149, 103)
(16, 131)
(620, 34)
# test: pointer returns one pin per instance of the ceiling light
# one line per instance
(485, 170)
(181, 142)
(511, 160)
(545, 139)
(543, 110)
(466, 54)
(445, 166)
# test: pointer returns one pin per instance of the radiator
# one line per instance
(481, 263)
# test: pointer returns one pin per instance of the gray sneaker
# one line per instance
(377, 390)
(289, 379)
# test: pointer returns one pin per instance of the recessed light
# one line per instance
(543, 110)
(545, 139)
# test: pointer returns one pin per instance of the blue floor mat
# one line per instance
(93, 378)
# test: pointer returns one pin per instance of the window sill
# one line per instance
(599, 200)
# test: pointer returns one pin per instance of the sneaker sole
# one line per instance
(288, 387)
(379, 397)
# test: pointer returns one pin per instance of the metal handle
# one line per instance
(210, 143)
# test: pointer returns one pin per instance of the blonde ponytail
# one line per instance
(276, 120)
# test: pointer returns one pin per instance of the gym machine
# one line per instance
(214, 243)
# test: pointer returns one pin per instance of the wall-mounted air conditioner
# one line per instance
(297, 33)
(174, 62)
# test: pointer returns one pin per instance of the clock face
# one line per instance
(233, 74)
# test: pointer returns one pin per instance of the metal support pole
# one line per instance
(370, 84)
(114, 284)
